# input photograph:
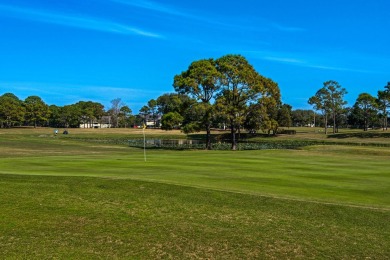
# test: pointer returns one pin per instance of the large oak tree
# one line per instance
(200, 81)
(242, 86)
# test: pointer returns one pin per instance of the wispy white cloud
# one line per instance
(276, 56)
(78, 21)
(324, 67)
(183, 14)
(284, 59)
(216, 19)
(303, 60)
(287, 28)
(154, 6)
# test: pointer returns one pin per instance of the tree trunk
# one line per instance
(233, 135)
(326, 123)
(365, 124)
(314, 119)
(208, 137)
(334, 122)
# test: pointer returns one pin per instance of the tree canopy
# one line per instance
(366, 109)
(230, 88)
(329, 100)
(200, 81)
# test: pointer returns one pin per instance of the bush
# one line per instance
(196, 144)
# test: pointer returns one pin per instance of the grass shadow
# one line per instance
(361, 135)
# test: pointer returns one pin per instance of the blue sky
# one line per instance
(67, 51)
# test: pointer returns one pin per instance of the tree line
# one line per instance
(224, 93)
(227, 92)
(33, 111)
(367, 112)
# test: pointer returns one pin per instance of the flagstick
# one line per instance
(143, 131)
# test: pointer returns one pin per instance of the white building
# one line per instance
(105, 122)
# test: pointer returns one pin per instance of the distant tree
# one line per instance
(66, 116)
(342, 117)
(366, 109)
(144, 113)
(137, 120)
(354, 118)
(193, 120)
(87, 115)
(55, 116)
(37, 112)
(150, 112)
(11, 110)
(302, 117)
(173, 102)
(12, 96)
(115, 110)
(97, 110)
(153, 110)
(125, 115)
(254, 118)
(90, 112)
(71, 115)
(383, 104)
(284, 117)
(319, 102)
(262, 115)
(171, 120)
(176, 103)
(336, 100)
(200, 82)
(169, 102)
(271, 106)
(329, 100)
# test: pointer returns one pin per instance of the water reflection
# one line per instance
(173, 142)
(166, 142)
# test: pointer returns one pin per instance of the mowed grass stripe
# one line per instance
(189, 204)
(84, 218)
(299, 174)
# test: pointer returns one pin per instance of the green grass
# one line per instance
(316, 174)
(65, 217)
(67, 198)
